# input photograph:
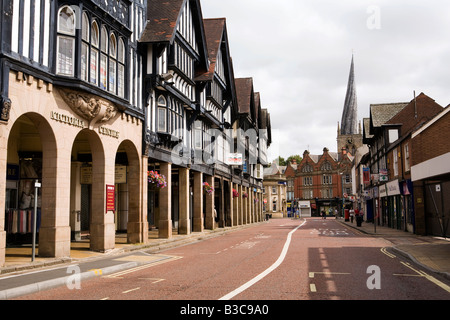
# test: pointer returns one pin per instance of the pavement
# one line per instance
(20, 275)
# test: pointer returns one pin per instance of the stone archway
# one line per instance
(32, 148)
(137, 225)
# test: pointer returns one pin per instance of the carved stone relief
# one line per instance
(92, 108)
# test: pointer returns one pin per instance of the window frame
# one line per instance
(96, 55)
(161, 107)
(68, 34)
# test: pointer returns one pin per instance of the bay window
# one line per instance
(101, 51)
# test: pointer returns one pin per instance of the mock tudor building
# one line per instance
(390, 197)
(126, 113)
(71, 119)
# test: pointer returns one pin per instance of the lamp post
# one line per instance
(36, 186)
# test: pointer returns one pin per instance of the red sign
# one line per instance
(110, 198)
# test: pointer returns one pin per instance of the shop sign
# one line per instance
(384, 175)
(366, 175)
(12, 172)
(120, 174)
(393, 188)
(108, 132)
(86, 175)
(234, 159)
(72, 121)
(110, 198)
(383, 191)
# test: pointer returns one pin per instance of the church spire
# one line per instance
(349, 123)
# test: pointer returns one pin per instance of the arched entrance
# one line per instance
(32, 155)
(129, 213)
(87, 197)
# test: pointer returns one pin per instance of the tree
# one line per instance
(280, 160)
(296, 157)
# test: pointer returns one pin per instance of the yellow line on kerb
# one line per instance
(428, 277)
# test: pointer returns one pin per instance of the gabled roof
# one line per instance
(257, 108)
(382, 113)
(418, 111)
(214, 32)
(245, 94)
(162, 18)
(265, 124)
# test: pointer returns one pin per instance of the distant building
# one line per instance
(274, 194)
(325, 181)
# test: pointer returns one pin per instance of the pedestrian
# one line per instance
(352, 214)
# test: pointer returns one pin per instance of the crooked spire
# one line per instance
(349, 122)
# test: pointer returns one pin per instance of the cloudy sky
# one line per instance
(299, 53)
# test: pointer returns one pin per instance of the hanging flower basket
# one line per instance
(235, 193)
(157, 180)
(245, 195)
(208, 189)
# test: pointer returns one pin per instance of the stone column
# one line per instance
(102, 227)
(198, 202)
(137, 227)
(230, 196)
(250, 206)
(221, 209)
(54, 233)
(165, 203)
(242, 205)
(240, 209)
(209, 216)
(184, 224)
(3, 161)
(235, 207)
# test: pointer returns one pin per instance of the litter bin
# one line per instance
(359, 220)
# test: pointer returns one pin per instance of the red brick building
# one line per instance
(430, 173)
(325, 181)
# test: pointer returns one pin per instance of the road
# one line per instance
(285, 259)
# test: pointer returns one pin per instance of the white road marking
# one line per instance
(132, 290)
(262, 275)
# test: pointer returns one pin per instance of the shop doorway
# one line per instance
(30, 158)
(24, 167)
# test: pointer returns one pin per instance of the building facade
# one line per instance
(97, 99)
(389, 192)
(275, 191)
(430, 176)
(325, 181)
